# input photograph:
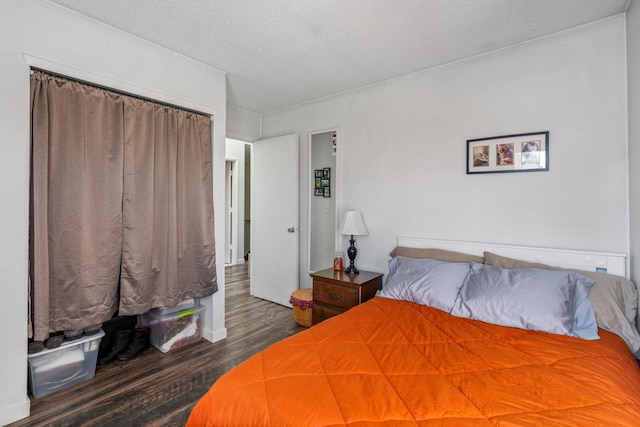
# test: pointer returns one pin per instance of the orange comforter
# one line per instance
(400, 363)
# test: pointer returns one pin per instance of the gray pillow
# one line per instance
(614, 298)
(425, 281)
(528, 298)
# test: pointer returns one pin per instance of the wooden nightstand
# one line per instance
(335, 292)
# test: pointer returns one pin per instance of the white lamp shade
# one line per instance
(354, 224)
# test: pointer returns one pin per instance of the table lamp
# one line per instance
(353, 225)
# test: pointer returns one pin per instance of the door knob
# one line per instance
(291, 229)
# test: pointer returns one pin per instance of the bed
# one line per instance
(461, 335)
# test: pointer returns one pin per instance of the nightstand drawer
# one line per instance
(340, 296)
(323, 312)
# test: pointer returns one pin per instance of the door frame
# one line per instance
(310, 190)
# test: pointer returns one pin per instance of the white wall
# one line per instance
(242, 124)
(403, 147)
(633, 82)
(66, 42)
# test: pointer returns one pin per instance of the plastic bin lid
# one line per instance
(65, 344)
(154, 317)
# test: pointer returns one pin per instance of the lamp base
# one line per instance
(351, 270)
(352, 252)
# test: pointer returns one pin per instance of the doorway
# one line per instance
(231, 221)
(322, 199)
(237, 201)
(267, 171)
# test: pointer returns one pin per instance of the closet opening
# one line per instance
(121, 205)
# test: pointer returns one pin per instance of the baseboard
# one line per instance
(214, 336)
(15, 412)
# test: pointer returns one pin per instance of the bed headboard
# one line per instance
(590, 261)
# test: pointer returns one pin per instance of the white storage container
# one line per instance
(174, 330)
(61, 367)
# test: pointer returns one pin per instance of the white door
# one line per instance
(274, 219)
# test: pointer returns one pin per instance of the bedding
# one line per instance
(396, 362)
(425, 281)
(437, 254)
(541, 300)
(450, 341)
(614, 299)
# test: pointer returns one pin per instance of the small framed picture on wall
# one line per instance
(322, 182)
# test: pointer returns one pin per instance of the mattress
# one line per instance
(400, 363)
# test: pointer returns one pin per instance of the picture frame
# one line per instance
(523, 152)
(334, 143)
(322, 182)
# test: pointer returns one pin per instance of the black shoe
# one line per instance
(122, 339)
(110, 328)
(139, 344)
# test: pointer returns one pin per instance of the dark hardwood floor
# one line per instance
(157, 389)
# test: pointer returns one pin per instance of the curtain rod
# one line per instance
(121, 92)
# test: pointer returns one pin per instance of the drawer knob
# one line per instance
(332, 295)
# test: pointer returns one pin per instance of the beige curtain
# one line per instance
(168, 252)
(76, 227)
(122, 203)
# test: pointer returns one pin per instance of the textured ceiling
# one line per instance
(279, 53)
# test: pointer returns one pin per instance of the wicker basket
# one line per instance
(302, 303)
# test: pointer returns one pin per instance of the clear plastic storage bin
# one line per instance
(174, 330)
(184, 305)
(61, 367)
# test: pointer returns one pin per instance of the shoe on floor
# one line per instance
(121, 341)
(141, 342)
